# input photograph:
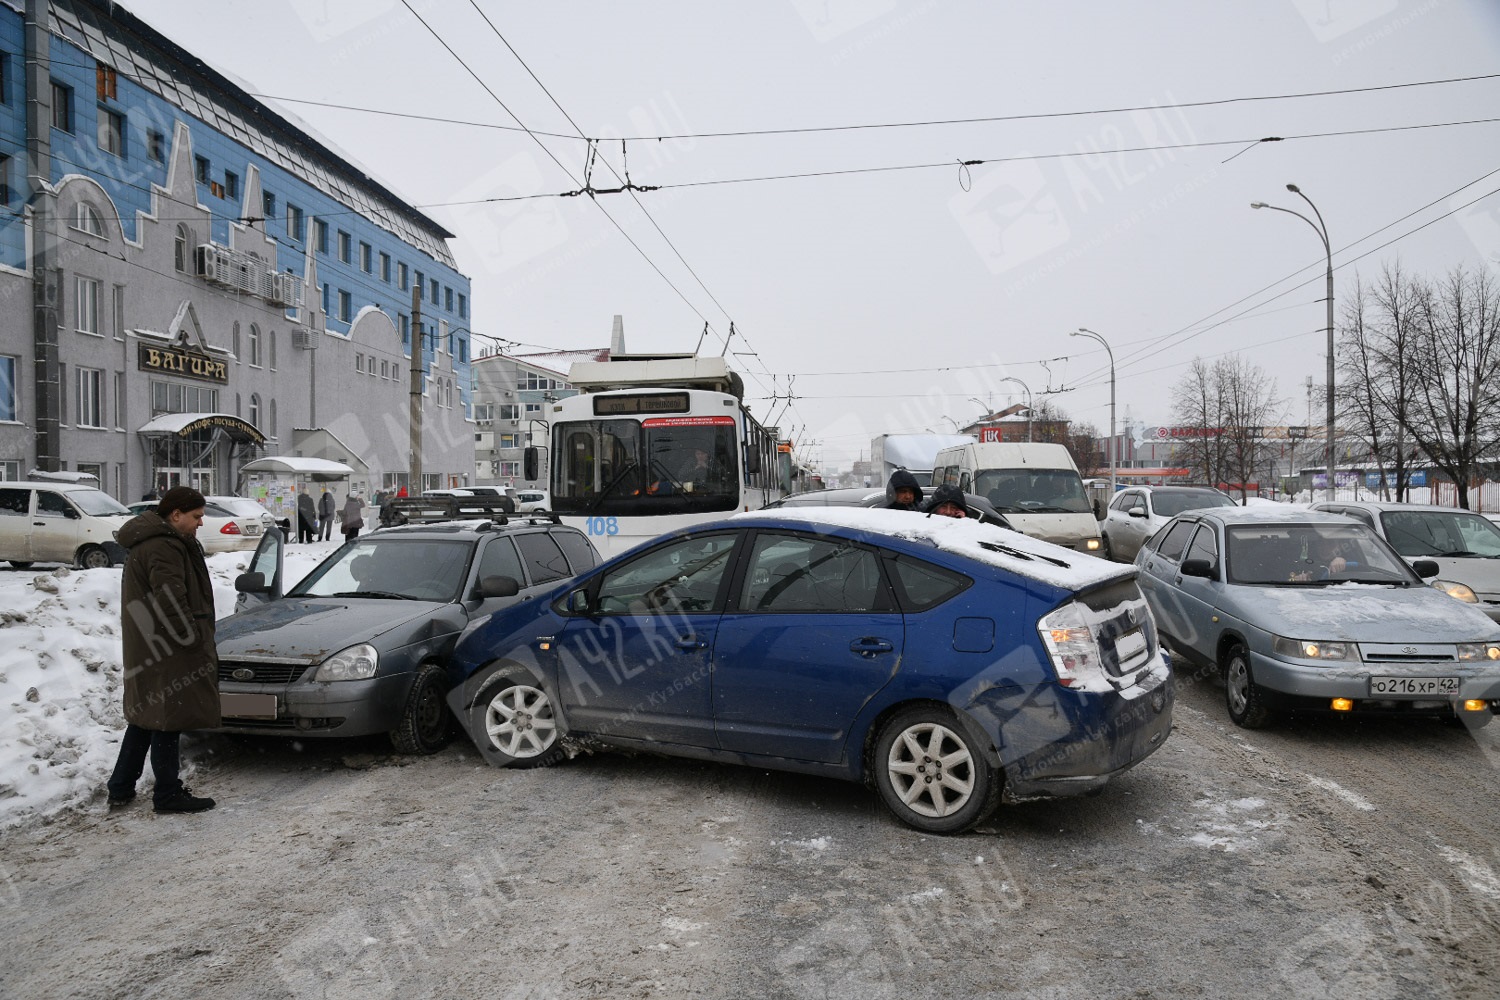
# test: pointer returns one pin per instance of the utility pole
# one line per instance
(46, 277)
(414, 487)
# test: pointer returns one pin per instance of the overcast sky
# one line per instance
(884, 300)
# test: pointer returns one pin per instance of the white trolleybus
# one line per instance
(652, 444)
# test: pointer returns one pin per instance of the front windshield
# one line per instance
(1032, 491)
(97, 503)
(392, 568)
(1419, 534)
(658, 465)
(1170, 504)
(1311, 555)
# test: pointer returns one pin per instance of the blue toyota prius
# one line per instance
(952, 665)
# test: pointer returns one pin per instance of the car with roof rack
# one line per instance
(361, 644)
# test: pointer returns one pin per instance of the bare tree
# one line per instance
(1050, 423)
(1195, 406)
(1376, 372)
(1455, 362)
(1225, 407)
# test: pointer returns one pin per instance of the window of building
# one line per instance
(463, 306)
(180, 248)
(359, 361)
(234, 340)
(156, 145)
(254, 347)
(420, 283)
(86, 217)
(254, 409)
(346, 306)
(88, 305)
(484, 412)
(106, 84)
(272, 429)
(326, 299)
(366, 258)
(510, 441)
(90, 397)
(268, 205)
(401, 276)
(385, 267)
(346, 247)
(448, 299)
(320, 235)
(533, 408)
(112, 132)
(4, 75)
(434, 287)
(231, 184)
(4, 180)
(510, 470)
(507, 411)
(62, 107)
(119, 401)
(295, 223)
(8, 365)
(273, 350)
(174, 397)
(404, 322)
(385, 368)
(119, 312)
(463, 350)
(201, 168)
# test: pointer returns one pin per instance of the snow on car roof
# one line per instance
(1269, 514)
(1017, 553)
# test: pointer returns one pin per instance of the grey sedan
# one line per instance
(1306, 611)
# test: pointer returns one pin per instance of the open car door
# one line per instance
(261, 583)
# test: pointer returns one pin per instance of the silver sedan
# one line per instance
(1305, 611)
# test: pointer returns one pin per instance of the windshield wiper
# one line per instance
(1018, 554)
(610, 487)
(1456, 552)
(374, 593)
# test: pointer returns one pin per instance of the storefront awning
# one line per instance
(184, 424)
(320, 469)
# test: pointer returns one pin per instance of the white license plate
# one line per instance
(247, 706)
(1130, 645)
(1414, 685)
(252, 529)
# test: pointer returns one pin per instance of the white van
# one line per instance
(1036, 486)
(60, 522)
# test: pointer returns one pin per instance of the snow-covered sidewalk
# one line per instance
(60, 678)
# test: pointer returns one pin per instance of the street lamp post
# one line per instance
(1321, 228)
(1113, 444)
(1023, 385)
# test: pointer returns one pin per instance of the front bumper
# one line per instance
(1301, 686)
(325, 708)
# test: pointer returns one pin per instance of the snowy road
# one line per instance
(1315, 860)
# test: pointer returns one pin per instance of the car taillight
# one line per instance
(230, 529)
(1071, 643)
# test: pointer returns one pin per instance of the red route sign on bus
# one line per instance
(688, 422)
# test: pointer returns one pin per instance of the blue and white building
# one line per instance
(190, 280)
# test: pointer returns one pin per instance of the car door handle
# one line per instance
(869, 646)
(688, 643)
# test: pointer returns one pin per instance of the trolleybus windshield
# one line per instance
(655, 465)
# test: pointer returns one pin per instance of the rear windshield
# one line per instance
(1172, 504)
(97, 503)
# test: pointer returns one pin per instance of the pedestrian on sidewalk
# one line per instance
(325, 516)
(353, 517)
(171, 663)
(307, 517)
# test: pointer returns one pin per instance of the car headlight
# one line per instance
(353, 664)
(1472, 652)
(1092, 545)
(1453, 588)
(1310, 649)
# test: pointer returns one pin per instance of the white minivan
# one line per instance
(1036, 486)
(60, 522)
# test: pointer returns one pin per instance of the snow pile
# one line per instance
(61, 678)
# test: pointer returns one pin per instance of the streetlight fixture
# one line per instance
(1113, 444)
(1023, 385)
(1321, 228)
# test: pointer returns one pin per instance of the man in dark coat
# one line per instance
(947, 501)
(903, 492)
(171, 662)
(307, 517)
(352, 517)
(325, 516)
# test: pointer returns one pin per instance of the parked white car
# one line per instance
(230, 524)
(1138, 512)
(533, 501)
(59, 522)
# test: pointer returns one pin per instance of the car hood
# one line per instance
(1354, 612)
(1480, 573)
(313, 628)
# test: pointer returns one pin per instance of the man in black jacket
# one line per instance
(903, 492)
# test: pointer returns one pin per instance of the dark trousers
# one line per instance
(325, 528)
(306, 531)
(132, 762)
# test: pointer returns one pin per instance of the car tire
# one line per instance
(1109, 550)
(1245, 699)
(515, 724)
(931, 771)
(21, 564)
(93, 557)
(424, 723)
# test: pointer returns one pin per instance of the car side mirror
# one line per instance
(1137, 512)
(499, 586)
(1425, 568)
(255, 583)
(1098, 510)
(578, 602)
(529, 462)
(1199, 567)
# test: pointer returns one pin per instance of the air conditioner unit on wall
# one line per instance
(305, 340)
